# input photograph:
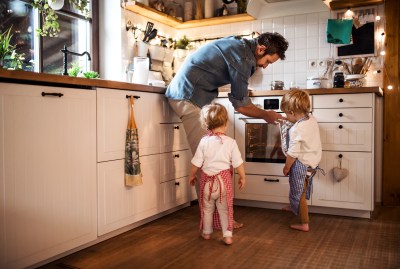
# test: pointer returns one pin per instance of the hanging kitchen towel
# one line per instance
(339, 31)
(133, 175)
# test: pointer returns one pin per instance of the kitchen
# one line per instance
(118, 71)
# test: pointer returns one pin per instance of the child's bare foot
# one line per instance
(206, 236)
(300, 227)
(286, 208)
(237, 225)
(227, 240)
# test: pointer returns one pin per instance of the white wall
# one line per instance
(306, 34)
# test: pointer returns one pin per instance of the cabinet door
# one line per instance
(174, 165)
(172, 137)
(346, 136)
(119, 205)
(353, 192)
(174, 193)
(48, 172)
(112, 120)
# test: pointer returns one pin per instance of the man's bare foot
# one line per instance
(237, 225)
(206, 236)
(286, 208)
(300, 227)
(227, 240)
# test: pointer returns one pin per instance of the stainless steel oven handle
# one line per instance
(271, 180)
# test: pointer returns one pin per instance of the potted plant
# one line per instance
(50, 26)
(5, 45)
(9, 58)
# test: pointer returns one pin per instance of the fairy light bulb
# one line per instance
(382, 53)
(390, 87)
(378, 18)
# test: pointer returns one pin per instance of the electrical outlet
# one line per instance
(322, 63)
(312, 64)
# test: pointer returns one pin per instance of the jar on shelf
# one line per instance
(188, 10)
(175, 10)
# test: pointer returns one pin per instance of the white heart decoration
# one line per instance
(339, 173)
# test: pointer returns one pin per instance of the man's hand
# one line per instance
(271, 116)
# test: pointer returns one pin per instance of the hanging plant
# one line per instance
(50, 26)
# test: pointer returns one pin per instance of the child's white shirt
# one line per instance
(213, 156)
(305, 142)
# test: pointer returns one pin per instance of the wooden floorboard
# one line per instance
(264, 242)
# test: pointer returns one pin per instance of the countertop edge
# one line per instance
(18, 76)
(377, 90)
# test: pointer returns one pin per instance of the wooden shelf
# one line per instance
(163, 18)
(344, 4)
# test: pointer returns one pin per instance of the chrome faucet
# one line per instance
(65, 51)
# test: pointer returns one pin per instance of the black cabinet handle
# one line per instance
(340, 114)
(271, 180)
(340, 100)
(340, 156)
(134, 96)
(176, 156)
(176, 127)
(177, 183)
(58, 94)
(340, 126)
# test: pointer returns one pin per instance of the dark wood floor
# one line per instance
(264, 242)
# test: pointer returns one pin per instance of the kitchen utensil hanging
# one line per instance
(149, 29)
(150, 36)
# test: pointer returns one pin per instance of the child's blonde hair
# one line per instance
(213, 116)
(297, 101)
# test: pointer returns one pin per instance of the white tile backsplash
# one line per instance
(306, 34)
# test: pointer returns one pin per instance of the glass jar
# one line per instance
(338, 80)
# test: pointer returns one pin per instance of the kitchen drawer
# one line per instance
(172, 137)
(346, 136)
(174, 193)
(343, 115)
(264, 188)
(343, 100)
(174, 165)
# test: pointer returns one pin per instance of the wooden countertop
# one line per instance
(67, 81)
(377, 90)
(18, 76)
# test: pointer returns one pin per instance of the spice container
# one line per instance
(277, 85)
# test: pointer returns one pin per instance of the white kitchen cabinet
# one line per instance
(349, 140)
(174, 193)
(48, 172)
(174, 160)
(174, 165)
(231, 115)
(112, 120)
(120, 205)
(353, 192)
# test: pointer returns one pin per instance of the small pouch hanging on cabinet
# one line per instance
(340, 173)
(133, 175)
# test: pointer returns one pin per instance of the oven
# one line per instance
(260, 146)
(260, 142)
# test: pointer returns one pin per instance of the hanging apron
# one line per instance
(133, 175)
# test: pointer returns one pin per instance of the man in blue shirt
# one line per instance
(230, 60)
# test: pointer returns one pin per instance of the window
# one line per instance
(43, 54)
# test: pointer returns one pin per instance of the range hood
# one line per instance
(262, 9)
